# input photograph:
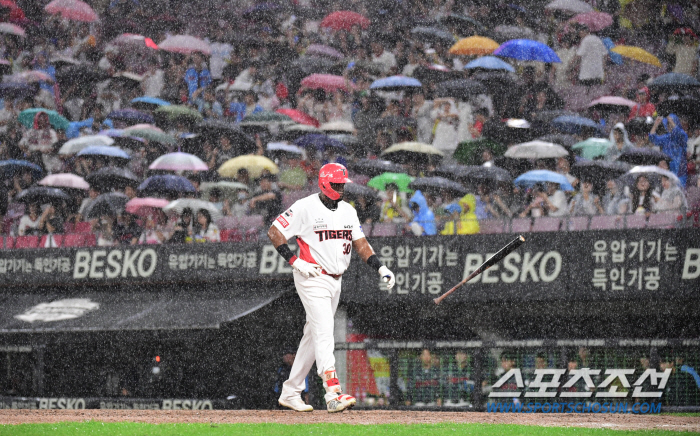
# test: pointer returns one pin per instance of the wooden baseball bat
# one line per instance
(503, 252)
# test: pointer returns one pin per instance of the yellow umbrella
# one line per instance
(474, 45)
(638, 54)
(254, 164)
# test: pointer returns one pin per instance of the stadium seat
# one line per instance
(605, 222)
(26, 242)
(663, 220)
(231, 235)
(520, 225)
(491, 226)
(577, 223)
(3, 241)
(384, 229)
(57, 241)
(83, 227)
(74, 240)
(9, 242)
(89, 240)
(251, 235)
(635, 221)
(546, 224)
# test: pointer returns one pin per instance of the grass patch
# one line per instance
(137, 429)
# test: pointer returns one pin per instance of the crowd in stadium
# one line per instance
(151, 121)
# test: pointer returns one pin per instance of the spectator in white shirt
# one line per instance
(590, 57)
(384, 59)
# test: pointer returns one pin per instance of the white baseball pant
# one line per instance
(320, 296)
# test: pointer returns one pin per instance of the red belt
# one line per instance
(335, 276)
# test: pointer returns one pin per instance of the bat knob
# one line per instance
(436, 300)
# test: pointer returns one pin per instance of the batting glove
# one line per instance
(387, 276)
(307, 269)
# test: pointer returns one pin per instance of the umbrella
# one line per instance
(148, 103)
(285, 147)
(454, 171)
(652, 172)
(173, 114)
(185, 44)
(319, 142)
(85, 74)
(433, 74)
(227, 189)
(674, 82)
(595, 21)
(32, 76)
(474, 45)
(41, 195)
(541, 176)
(562, 139)
(112, 177)
(8, 168)
(344, 20)
(266, 117)
(323, 50)
(338, 126)
(394, 123)
(401, 180)
(687, 106)
(463, 23)
(254, 164)
(536, 150)
(432, 35)
(132, 41)
(637, 54)
(488, 174)
(12, 29)
(327, 82)
(145, 206)
(356, 190)
(611, 102)
(599, 171)
(26, 117)
(461, 89)
(348, 140)
(643, 156)
(615, 57)
(217, 128)
(573, 124)
(110, 204)
(195, 205)
(316, 64)
(505, 33)
(592, 148)
(375, 167)
(437, 184)
(18, 90)
(490, 63)
(411, 152)
(395, 83)
(165, 185)
(104, 150)
(178, 162)
(151, 135)
(65, 180)
(570, 6)
(75, 10)
(527, 50)
(131, 116)
(299, 117)
(75, 145)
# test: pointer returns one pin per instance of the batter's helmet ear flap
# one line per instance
(332, 173)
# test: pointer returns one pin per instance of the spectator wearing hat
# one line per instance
(683, 46)
(643, 108)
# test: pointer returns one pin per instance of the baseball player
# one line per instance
(327, 229)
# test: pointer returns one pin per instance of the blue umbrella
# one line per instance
(146, 100)
(8, 168)
(615, 57)
(490, 63)
(319, 141)
(104, 150)
(131, 116)
(540, 176)
(395, 83)
(572, 124)
(166, 184)
(527, 50)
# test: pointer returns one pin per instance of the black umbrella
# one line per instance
(505, 33)
(41, 195)
(437, 184)
(84, 75)
(599, 171)
(674, 82)
(112, 177)
(562, 139)
(432, 75)
(546, 117)
(432, 35)
(375, 167)
(643, 156)
(461, 89)
(214, 129)
(111, 204)
(685, 106)
(465, 25)
(357, 190)
(488, 174)
(454, 171)
(316, 64)
(18, 90)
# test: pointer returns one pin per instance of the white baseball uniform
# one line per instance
(325, 238)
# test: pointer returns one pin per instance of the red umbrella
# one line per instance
(344, 20)
(327, 82)
(185, 44)
(595, 21)
(145, 206)
(16, 14)
(300, 117)
(72, 10)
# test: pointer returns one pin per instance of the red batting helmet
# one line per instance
(332, 173)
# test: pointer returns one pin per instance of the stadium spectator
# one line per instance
(205, 230)
(640, 197)
(643, 108)
(586, 202)
(672, 198)
(674, 143)
(620, 142)
(153, 232)
(37, 143)
(614, 200)
(423, 222)
(563, 167)
(394, 209)
(127, 230)
(266, 200)
(104, 230)
(426, 381)
(367, 210)
(29, 223)
(683, 46)
(590, 58)
(183, 230)
(459, 385)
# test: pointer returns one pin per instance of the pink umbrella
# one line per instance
(611, 100)
(145, 206)
(595, 21)
(65, 180)
(327, 82)
(178, 162)
(323, 50)
(11, 29)
(31, 77)
(185, 44)
(75, 10)
(132, 40)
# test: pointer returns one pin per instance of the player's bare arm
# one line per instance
(280, 242)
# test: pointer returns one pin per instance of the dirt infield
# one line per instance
(621, 422)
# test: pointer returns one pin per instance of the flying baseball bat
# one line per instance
(491, 261)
